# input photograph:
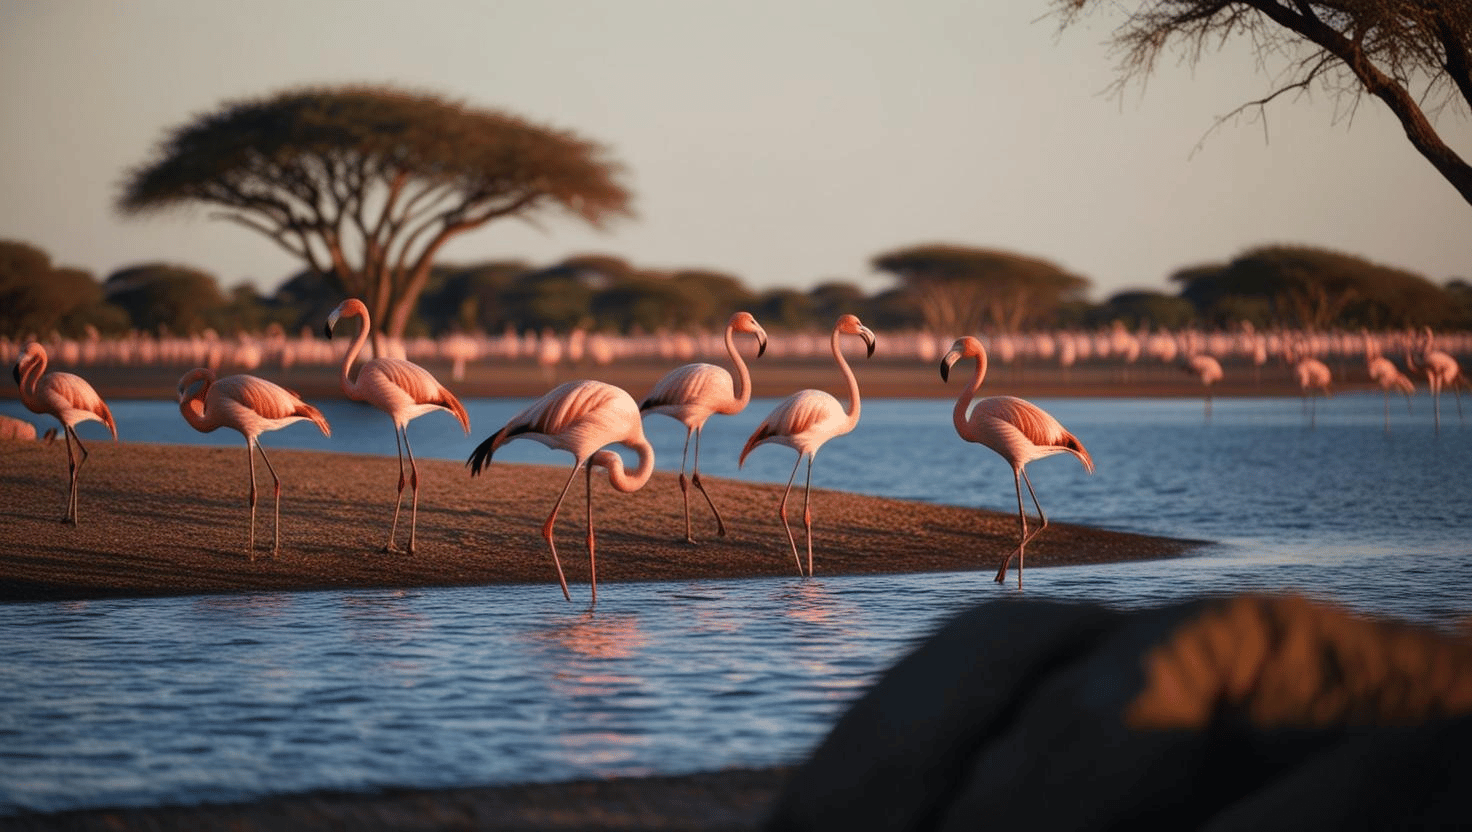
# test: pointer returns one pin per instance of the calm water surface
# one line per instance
(143, 702)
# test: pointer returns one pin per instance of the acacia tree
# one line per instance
(958, 289)
(1413, 55)
(367, 184)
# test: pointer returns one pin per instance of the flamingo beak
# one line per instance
(868, 337)
(332, 322)
(945, 364)
(15, 371)
(761, 343)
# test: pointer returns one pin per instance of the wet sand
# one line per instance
(166, 520)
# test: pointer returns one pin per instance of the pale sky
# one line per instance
(785, 142)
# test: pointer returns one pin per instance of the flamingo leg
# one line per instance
(685, 484)
(414, 485)
(695, 478)
(547, 532)
(82, 455)
(250, 545)
(1042, 524)
(394, 528)
(782, 511)
(69, 515)
(807, 512)
(592, 543)
(276, 487)
(1021, 534)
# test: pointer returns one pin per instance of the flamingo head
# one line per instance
(32, 353)
(965, 347)
(746, 322)
(851, 325)
(349, 307)
(193, 377)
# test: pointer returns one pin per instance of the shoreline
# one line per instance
(172, 520)
(879, 377)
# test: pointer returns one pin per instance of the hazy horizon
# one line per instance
(785, 144)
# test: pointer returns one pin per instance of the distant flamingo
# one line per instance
(1018, 430)
(71, 400)
(1441, 371)
(691, 393)
(1209, 370)
(807, 419)
(402, 389)
(1312, 374)
(579, 417)
(1384, 372)
(252, 406)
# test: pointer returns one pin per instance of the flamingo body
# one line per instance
(71, 400)
(250, 406)
(807, 419)
(582, 418)
(692, 393)
(1441, 371)
(402, 389)
(1209, 370)
(1017, 430)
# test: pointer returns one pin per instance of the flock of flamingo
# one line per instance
(585, 417)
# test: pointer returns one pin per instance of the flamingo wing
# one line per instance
(802, 421)
(405, 390)
(1021, 431)
(690, 390)
(71, 399)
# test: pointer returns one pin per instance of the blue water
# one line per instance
(182, 700)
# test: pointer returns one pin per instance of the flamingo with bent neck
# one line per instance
(1018, 430)
(402, 389)
(250, 405)
(580, 417)
(807, 419)
(691, 393)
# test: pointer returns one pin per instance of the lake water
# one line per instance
(182, 700)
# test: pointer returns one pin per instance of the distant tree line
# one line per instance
(941, 288)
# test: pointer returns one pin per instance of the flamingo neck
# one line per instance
(30, 377)
(743, 375)
(345, 379)
(963, 403)
(193, 410)
(614, 464)
(853, 383)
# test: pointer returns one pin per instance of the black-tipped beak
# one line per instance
(868, 339)
(15, 372)
(761, 345)
(327, 330)
(945, 365)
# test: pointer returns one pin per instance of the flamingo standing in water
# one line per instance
(1441, 371)
(1018, 430)
(1209, 370)
(693, 392)
(402, 389)
(580, 417)
(71, 400)
(1384, 372)
(807, 419)
(252, 406)
(1312, 374)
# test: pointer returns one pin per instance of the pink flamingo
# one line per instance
(691, 393)
(1384, 372)
(402, 389)
(1441, 371)
(579, 417)
(1018, 430)
(71, 400)
(1311, 373)
(1209, 370)
(252, 406)
(807, 419)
